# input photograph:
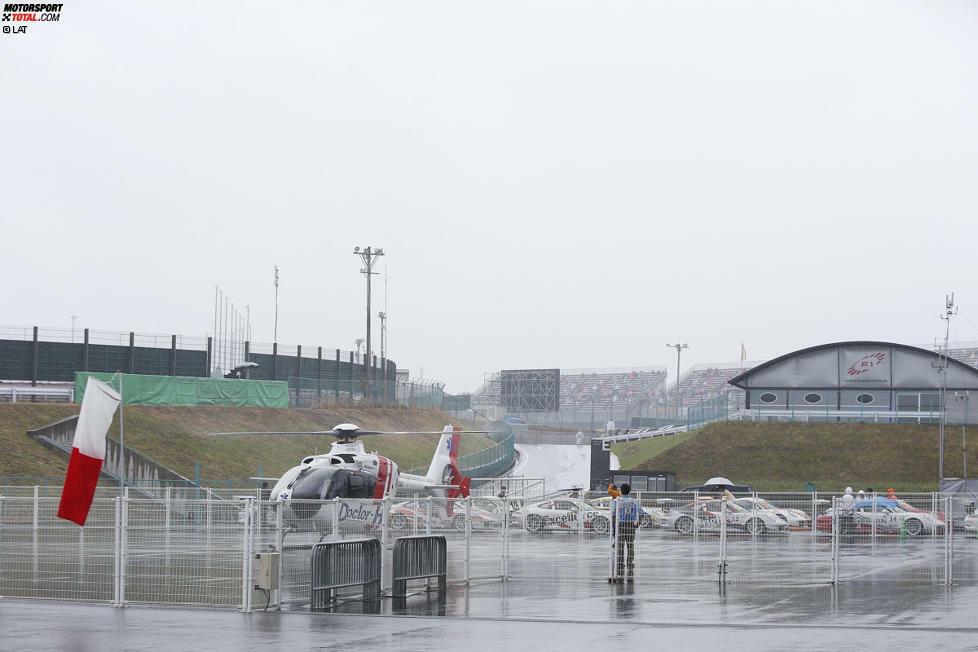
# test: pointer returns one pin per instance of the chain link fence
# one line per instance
(179, 550)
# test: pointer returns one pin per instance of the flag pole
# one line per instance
(122, 438)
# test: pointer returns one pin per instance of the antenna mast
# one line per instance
(949, 311)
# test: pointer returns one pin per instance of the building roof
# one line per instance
(960, 375)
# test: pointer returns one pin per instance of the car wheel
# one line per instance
(685, 525)
(646, 522)
(398, 521)
(755, 526)
(600, 525)
(459, 522)
(913, 527)
(534, 523)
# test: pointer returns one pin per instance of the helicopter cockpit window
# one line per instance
(347, 457)
(347, 484)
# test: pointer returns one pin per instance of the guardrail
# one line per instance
(54, 394)
(342, 564)
(643, 433)
(418, 558)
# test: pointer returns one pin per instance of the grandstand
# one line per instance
(704, 382)
(966, 352)
(590, 397)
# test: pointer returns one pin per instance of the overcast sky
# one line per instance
(555, 184)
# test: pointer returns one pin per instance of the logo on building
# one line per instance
(866, 363)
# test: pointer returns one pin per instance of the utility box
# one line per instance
(267, 570)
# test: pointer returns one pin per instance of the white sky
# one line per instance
(556, 184)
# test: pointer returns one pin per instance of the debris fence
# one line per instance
(203, 552)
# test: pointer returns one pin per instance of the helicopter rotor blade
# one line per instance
(274, 432)
(421, 432)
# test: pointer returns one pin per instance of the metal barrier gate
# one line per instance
(417, 558)
(344, 564)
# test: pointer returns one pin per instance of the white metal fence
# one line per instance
(201, 552)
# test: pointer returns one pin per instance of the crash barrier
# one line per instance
(343, 564)
(136, 550)
(417, 558)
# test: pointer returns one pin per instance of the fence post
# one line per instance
(722, 564)
(34, 356)
(279, 544)
(245, 556)
(336, 516)
(933, 511)
(468, 539)
(124, 556)
(427, 520)
(336, 388)
(696, 515)
(948, 541)
(385, 517)
(835, 540)
(116, 552)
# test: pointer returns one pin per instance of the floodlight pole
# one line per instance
(679, 352)
(369, 257)
(275, 332)
(383, 333)
(949, 311)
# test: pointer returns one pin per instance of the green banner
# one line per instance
(187, 390)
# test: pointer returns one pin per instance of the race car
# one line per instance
(706, 513)
(795, 518)
(971, 523)
(889, 517)
(568, 514)
(650, 515)
(406, 514)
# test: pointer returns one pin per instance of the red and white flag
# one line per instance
(87, 450)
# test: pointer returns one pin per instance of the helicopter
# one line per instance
(347, 471)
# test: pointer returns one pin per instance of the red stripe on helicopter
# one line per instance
(382, 477)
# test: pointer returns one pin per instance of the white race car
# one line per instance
(570, 514)
(795, 518)
(650, 516)
(706, 513)
(971, 523)
(407, 514)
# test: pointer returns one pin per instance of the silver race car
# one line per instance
(569, 514)
(704, 515)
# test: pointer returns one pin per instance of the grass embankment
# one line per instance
(177, 437)
(783, 456)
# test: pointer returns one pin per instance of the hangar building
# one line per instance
(859, 381)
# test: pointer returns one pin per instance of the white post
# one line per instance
(696, 515)
(279, 544)
(427, 519)
(34, 526)
(933, 511)
(123, 557)
(814, 513)
(336, 517)
(836, 518)
(503, 561)
(468, 539)
(166, 522)
(122, 437)
(117, 552)
(245, 536)
(872, 525)
(722, 565)
(948, 542)
(385, 517)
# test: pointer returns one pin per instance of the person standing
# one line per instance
(580, 436)
(846, 504)
(624, 520)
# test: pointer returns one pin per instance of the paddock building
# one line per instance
(859, 381)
